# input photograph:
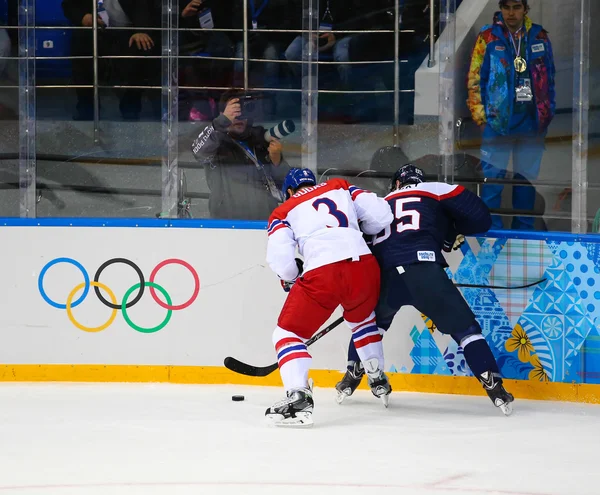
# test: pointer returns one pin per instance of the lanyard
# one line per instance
(255, 13)
(269, 182)
(327, 14)
(250, 153)
(512, 39)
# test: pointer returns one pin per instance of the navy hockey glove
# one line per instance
(287, 284)
(450, 245)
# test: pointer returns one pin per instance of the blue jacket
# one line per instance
(492, 76)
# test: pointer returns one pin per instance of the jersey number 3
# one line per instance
(333, 210)
(406, 219)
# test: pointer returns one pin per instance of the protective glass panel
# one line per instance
(593, 166)
(239, 105)
(378, 105)
(98, 99)
(9, 110)
(516, 109)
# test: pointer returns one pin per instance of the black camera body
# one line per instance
(248, 106)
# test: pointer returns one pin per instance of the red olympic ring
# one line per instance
(174, 261)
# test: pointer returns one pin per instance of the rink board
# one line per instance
(209, 294)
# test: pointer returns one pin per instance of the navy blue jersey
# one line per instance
(425, 215)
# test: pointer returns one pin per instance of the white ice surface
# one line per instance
(89, 439)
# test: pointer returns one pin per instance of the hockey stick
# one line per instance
(247, 369)
(501, 287)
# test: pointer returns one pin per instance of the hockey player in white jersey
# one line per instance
(322, 222)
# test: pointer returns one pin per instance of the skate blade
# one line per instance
(302, 420)
(386, 400)
(342, 395)
(505, 407)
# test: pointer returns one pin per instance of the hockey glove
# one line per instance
(453, 245)
(287, 284)
(458, 242)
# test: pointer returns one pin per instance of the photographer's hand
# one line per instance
(191, 8)
(330, 38)
(275, 148)
(233, 109)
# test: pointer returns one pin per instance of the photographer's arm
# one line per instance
(207, 143)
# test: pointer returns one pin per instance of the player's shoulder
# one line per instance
(434, 190)
(443, 190)
(305, 194)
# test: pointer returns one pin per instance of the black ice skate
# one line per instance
(349, 383)
(295, 410)
(378, 381)
(492, 384)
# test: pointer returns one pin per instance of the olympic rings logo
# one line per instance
(113, 304)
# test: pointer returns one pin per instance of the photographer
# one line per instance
(244, 171)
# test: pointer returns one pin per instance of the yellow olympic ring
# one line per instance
(79, 325)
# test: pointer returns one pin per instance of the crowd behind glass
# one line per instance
(222, 79)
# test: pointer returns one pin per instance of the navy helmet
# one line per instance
(408, 174)
(297, 177)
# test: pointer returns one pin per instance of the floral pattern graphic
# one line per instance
(538, 372)
(519, 341)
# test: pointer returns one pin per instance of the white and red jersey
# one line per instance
(323, 222)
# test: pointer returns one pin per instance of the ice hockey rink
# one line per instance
(89, 439)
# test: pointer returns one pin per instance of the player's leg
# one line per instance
(392, 297)
(306, 308)
(436, 296)
(359, 286)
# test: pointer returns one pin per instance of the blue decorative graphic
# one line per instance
(550, 331)
(426, 356)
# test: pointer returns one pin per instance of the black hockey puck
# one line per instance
(237, 398)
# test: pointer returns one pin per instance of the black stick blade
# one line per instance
(247, 369)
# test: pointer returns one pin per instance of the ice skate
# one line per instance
(349, 383)
(294, 411)
(502, 399)
(378, 381)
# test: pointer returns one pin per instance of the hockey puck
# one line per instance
(237, 398)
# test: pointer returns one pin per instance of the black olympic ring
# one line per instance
(140, 293)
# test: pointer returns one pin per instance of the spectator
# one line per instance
(5, 49)
(343, 48)
(262, 14)
(244, 172)
(333, 14)
(512, 99)
(206, 14)
(137, 14)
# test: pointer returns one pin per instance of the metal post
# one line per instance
(396, 71)
(581, 107)
(27, 123)
(431, 62)
(170, 117)
(447, 43)
(310, 84)
(246, 44)
(95, 82)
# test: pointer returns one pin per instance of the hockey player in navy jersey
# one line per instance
(322, 222)
(429, 217)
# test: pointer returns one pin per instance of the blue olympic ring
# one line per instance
(71, 261)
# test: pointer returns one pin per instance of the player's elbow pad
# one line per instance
(288, 272)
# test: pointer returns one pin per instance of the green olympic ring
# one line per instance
(158, 327)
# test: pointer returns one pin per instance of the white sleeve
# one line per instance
(373, 212)
(281, 252)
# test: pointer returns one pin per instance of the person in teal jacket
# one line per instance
(512, 98)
